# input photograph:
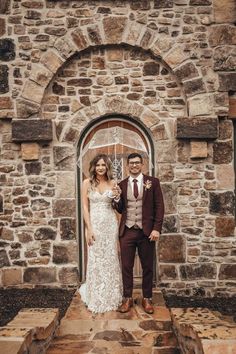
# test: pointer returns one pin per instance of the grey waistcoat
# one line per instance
(134, 207)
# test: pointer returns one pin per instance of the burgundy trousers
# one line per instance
(131, 240)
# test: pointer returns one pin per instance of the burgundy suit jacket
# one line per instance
(152, 207)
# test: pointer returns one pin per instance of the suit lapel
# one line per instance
(144, 189)
(125, 189)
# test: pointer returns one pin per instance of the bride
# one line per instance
(103, 288)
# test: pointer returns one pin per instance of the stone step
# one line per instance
(204, 331)
(81, 331)
(28, 327)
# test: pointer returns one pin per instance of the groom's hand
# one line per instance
(154, 236)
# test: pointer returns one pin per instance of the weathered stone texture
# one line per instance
(64, 208)
(45, 233)
(198, 127)
(222, 152)
(227, 81)
(40, 275)
(69, 275)
(68, 229)
(30, 151)
(222, 35)
(222, 203)
(198, 271)
(172, 249)
(40, 130)
(64, 253)
(224, 11)
(198, 149)
(4, 85)
(228, 271)
(4, 260)
(7, 49)
(11, 277)
(114, 29)
(225, 226)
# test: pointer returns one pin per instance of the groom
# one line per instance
(142, 208)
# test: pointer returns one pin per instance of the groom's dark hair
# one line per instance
(133, 155)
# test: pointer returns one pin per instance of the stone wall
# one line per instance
(169, 64)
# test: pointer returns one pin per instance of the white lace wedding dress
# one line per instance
(103, 288)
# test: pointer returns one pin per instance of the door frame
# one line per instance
(90, 126)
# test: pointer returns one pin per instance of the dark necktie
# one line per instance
(135, 188)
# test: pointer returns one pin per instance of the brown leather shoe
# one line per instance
(147, 305)
(126, 305)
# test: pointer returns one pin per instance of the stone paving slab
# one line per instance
(204, 331)
(42, 321)
(12, 346)
(134, 332)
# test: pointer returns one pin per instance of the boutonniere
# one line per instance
(147, 185)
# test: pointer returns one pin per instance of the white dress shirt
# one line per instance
(139, 179)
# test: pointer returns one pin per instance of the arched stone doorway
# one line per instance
(115, 120)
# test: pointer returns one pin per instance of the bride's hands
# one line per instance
(90, 237)
(116, 191)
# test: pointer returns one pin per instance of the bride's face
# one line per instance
(100, 168)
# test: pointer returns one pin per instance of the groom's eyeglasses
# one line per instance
(135, 163)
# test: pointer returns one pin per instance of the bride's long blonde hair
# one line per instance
(92, 169)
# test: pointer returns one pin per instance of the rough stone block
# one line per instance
(186, 71)
(199, 105)
(64, 208)
(224, 58)
(40, 275)
(45, 233)
(68, 229)
(222, 35)
(64, 253)
(232, 107)
(33, 91)
(198, 271)
(7, 49)
(2, 26)
(198, 149)
(6, 103)
(225, 129)
(194, 86)
(227, 81)
(170, 197)
(1, 204)
(170, 224)
(11, 276)
(172, 249)
(159, 4)
(32, 130)
(26, 108)
(69, 276)
(33, 168)
(197, 128)
(222, 203)
(30, 151)
(64, 158)
(225, 226)
(167, 272)
(222, 152)
(227, 271)
(52, 61)
(224, 11)
(4, 85)
(79, 39)
(114, 28)
(225, 177)
(4, 261)
(4, 6)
